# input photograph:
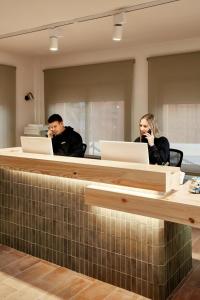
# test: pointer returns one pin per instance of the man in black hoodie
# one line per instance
(65, 140)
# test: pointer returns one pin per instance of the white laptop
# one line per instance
(33, 144)
(124, 151)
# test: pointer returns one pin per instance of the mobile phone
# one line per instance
(144, 138)
(149, 131)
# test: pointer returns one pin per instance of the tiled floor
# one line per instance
(23, 277)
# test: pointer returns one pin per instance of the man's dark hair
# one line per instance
(54, 118)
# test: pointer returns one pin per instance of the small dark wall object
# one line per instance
(29, 96)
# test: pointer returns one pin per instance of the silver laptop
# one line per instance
(124, 151)
(32, 144)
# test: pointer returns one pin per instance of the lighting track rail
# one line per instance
(126, 9)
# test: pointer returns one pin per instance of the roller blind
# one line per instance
(7, 106)
(103, 82)
(174, 97)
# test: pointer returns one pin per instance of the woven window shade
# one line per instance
(111, 81)
(7, 106)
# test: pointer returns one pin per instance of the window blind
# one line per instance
(174, 98)
(110, 81)
(7, 106)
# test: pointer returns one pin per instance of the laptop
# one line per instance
(32, 144)
(124, 151)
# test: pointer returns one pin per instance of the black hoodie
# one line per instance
(68, 143)
(159, 152)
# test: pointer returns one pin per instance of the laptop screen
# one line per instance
(32, 144)
(124, 151)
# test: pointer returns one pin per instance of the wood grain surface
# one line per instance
(159, 178)
(179, 206)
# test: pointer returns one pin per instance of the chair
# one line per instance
(84, 147)
(175, 157)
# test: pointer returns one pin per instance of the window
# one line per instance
(174, 98)
(95, 99)
(181, 125)
(7, 106)
(98, 120)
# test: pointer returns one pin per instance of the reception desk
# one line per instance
(123, 223)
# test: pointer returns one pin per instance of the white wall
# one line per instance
(24, 84)
(38, 88)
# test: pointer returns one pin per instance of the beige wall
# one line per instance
(24, 84)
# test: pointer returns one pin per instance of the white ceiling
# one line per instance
(173, 21)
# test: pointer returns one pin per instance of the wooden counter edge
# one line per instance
(139, 178)
(174, 210)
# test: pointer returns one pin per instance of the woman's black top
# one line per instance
(159, 152)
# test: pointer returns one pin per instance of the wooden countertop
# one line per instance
(178, 205)
(147, 190)
(152, 177)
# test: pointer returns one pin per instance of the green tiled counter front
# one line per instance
(45, 216)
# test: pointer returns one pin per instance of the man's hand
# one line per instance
(50, 133)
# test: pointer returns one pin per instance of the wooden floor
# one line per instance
(24, 277)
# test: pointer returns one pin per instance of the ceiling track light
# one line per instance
(119, 21)
(125, 9)
(117, 32)
(118, 15)
(53, 43)
(54, 35)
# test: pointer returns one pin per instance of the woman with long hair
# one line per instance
(158, 146)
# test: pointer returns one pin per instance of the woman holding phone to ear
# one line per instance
(158, 146)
